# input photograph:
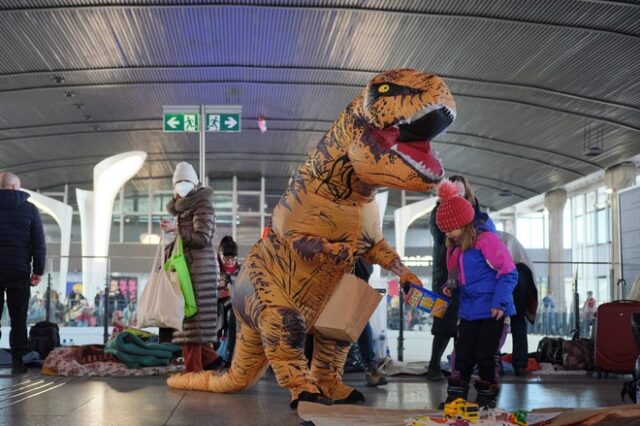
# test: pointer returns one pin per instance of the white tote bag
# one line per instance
(161, 303)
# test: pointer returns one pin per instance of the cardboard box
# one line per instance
(427, 301)
(348, 309)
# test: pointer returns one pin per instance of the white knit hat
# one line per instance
(185, 171)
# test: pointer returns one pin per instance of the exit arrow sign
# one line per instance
(181, 122)
(223, 122)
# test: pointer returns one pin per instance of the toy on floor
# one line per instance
(461, 409)
(464, 413)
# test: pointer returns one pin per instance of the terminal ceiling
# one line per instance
(83, 80)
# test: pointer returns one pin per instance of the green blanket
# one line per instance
(135, 352)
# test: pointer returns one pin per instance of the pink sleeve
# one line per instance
(496, 253)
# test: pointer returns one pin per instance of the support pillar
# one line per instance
(617, 177)
(554, 201)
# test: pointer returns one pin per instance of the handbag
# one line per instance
(550, 350)
(178, 271)
(161, 303)
(578, 354)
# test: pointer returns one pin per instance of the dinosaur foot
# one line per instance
(354, 397)
(312, 397)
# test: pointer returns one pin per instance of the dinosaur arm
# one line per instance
(384, 255)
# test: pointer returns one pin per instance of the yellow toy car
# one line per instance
(460, 408)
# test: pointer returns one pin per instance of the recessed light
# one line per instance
(69, 94)
(58, 79)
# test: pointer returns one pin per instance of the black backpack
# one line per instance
(43, 338)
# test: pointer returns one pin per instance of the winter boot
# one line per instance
(373, 376)
(457, 388)
(487, 393)
(434, 373)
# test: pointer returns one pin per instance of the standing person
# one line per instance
(525, 298)
(22, 260)
(483, 274)
(229, 269)
(445, 328)
(373, 376)
(192, 206)
(548, 318)
(589, 311)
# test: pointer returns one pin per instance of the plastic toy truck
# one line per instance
(460, 408)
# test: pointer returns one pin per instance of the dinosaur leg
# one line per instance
(327, 366)
(248, 365)
(283, 336)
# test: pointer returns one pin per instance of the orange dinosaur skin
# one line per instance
(326, 218)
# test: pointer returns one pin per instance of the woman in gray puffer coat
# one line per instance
(193, 209)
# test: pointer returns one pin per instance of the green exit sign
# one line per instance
(222, 122)
(181, 122)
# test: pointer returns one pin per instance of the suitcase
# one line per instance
(44, 336)
(615, 346)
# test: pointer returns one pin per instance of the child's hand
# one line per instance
(448, 292)
(497, 313)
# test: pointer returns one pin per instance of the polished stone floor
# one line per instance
(33, 399)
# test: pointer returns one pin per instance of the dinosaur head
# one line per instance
(397, 116)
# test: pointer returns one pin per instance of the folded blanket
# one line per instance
(136, 353)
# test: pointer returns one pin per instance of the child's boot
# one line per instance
(487, 393)
(457, 388)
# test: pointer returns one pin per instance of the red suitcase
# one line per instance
(615, 347)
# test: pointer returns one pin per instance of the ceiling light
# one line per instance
(87, 117)
(95, 127)
(58, 79)
(69, 94)
(593, 146)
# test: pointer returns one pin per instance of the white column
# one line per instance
(96, 213)
(63, 215)
(554, 201)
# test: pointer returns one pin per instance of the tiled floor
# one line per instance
(36, 400)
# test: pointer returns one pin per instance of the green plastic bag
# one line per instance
(177, 268)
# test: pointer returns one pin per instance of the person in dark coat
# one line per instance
(446, 328)
(229, 269)
(525, 297)
(193, 208)
(22, 260)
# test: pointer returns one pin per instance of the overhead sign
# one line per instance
(223, 122)
(223, 118)
(181, 119)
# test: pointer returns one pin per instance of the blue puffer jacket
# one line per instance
(486, 277)
(21, 233)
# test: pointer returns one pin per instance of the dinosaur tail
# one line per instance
(248, 365)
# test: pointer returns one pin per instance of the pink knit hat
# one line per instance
(454, 211)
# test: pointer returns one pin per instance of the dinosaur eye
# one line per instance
(383, 88)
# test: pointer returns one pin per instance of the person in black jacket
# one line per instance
(22, 260)
(446, 328)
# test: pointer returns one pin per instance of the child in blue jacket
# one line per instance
(483, 274)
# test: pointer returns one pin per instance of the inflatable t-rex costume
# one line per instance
(325, 218)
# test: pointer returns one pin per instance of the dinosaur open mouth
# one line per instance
(413, 142)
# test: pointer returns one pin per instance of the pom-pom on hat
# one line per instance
(454, 211)
(185, 171)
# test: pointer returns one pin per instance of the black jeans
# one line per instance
(519, 336)
(365, 345)
(477, 344)
(17, 285)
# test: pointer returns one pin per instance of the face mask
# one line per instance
(183, 188)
